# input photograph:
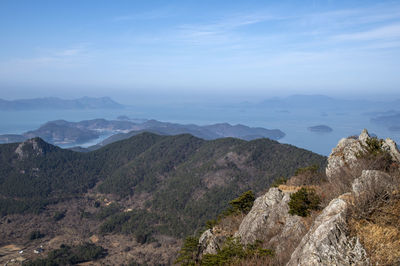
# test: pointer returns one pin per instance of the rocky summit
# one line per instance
(355, 222)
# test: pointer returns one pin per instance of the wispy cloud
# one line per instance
(223, 30)
(381, 33)
(52, 58)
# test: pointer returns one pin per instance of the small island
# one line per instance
(320, 129)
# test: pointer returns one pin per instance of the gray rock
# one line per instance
(210, 243)
(364, 136)
(370, 179)
(390, 146)
(344, 156)
(33, 145)
(327, 242)
(270, 222)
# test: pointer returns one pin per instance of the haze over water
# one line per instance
(197, 61)
(294, 122)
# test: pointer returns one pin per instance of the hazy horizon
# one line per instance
(194, 49)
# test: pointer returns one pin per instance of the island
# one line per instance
(66, 133)
(320, 129)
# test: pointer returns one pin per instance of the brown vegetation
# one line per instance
(375, 213)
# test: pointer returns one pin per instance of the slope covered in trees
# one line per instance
(159, 185)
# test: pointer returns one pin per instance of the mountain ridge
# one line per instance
(153, 188)
(63, 132)
(54, 103)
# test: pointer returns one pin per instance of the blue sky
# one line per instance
(245, 48)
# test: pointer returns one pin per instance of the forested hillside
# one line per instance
(154, 185)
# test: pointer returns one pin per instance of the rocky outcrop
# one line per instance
(210, 242)
(371, 179)
(345, 156)
(31, 146)
(390, 146)
(327, 242)
(269, 221)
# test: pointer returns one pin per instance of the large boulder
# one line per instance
(269, 221)
(327, 242)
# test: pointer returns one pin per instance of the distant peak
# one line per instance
(32, 147)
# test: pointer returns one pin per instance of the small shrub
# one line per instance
(58, 215)
(375, 157)
(211, 223)
(187, 254)
(302, 201)
(35, 235)
(309, 169)
(374, 145)
(233, 252)
(108, 211)
(279, 181)
(243, 203)
(67, 255)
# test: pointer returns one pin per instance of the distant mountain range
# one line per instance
(390, 119)
(62, 132)
(57, 103)
(322, 103)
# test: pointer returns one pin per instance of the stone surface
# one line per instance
(269, 221)
(210, 243)
(344, 157)
(29, 146)
(370, 179)
(327, 242)
(391, 147)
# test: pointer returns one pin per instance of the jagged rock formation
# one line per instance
(327, 242)
(269, 221)
(345, 156)
(210, 243)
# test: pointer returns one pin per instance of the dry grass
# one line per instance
(382, 242)
(286, 188)
(228, 225)
(307, 178)
(264, 261)
(374, 218)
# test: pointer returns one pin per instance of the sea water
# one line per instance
(293, 123)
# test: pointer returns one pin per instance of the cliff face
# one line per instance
(269, 221)
(327, 242)
(327, 237)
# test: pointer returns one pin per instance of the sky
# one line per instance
(192, 48)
